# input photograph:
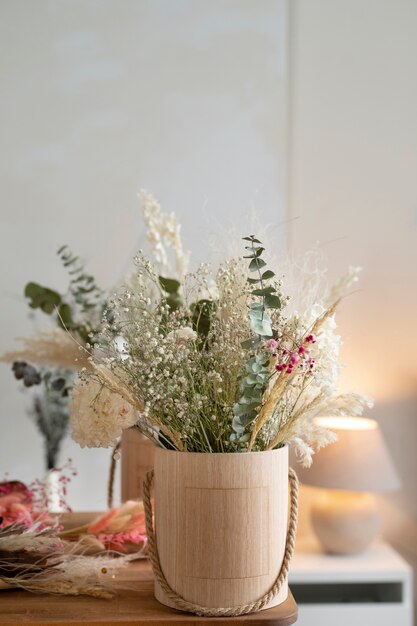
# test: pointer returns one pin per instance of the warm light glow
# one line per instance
(346, 423)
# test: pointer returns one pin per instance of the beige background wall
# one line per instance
(353, 187)
(100, 98)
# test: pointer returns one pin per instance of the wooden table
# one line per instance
(128, 607)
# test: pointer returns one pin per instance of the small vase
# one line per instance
(138, 454)
(221, 525)
(53, 492)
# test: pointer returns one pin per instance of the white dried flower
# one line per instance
(98, 416)
(182, 335)
(163, 232)
(342, 286)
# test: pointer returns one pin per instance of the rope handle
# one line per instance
(112, 471)
(235, 611)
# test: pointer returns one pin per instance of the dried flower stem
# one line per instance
(283, 433)
(320, 321)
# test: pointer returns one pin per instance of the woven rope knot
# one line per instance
(235, 611)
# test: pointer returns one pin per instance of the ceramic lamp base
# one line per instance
(346, 522)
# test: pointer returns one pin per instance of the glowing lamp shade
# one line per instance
(344, 513)
(358, 461)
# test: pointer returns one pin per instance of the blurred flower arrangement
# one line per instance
(49, 361)
(38, 554)
(37, 559)
(121, 529)
(212, 362)
(27, 505)
(17, 506)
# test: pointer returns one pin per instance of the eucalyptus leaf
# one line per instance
(169, 285)
(259, 314)
(256, 314)
(237, 427)
(252, 238)
(239, 409)
(272, 301)
(254, 392)
(174, 301)
(268, 274)
(84, 290)
(255, 400)
(202, 312)
(70, 261)
(65, 315)
(264, 291)
(42, 298)
(252, 407)
(83, 287)
(256, 264)
(257, 367)
(261, 327)
(251, 343)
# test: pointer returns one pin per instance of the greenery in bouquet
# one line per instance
(213, 362)
(48, 361)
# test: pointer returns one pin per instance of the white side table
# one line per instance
(369, 589)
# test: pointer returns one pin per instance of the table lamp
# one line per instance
(345, 515)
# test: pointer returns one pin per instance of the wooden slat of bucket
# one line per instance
(221, 522)
(138, 454)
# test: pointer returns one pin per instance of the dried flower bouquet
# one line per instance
(213, 363)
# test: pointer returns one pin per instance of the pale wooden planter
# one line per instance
(138, 454)
(221, 525)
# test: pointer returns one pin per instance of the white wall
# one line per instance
(353, 186)
(186, 98)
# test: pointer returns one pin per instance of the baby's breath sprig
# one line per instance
(210, 363)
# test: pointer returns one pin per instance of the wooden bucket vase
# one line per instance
(138, 454)
(221, 525)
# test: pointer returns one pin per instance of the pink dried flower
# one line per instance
(271, 344)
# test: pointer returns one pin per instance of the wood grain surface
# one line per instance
(137, 458)
(136, 606)
(221, 525)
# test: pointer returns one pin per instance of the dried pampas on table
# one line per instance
(37, 559)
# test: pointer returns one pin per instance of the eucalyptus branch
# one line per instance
(257, 374)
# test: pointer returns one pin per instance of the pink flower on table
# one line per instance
(15, 503)
(102, 523)
(120, 527)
